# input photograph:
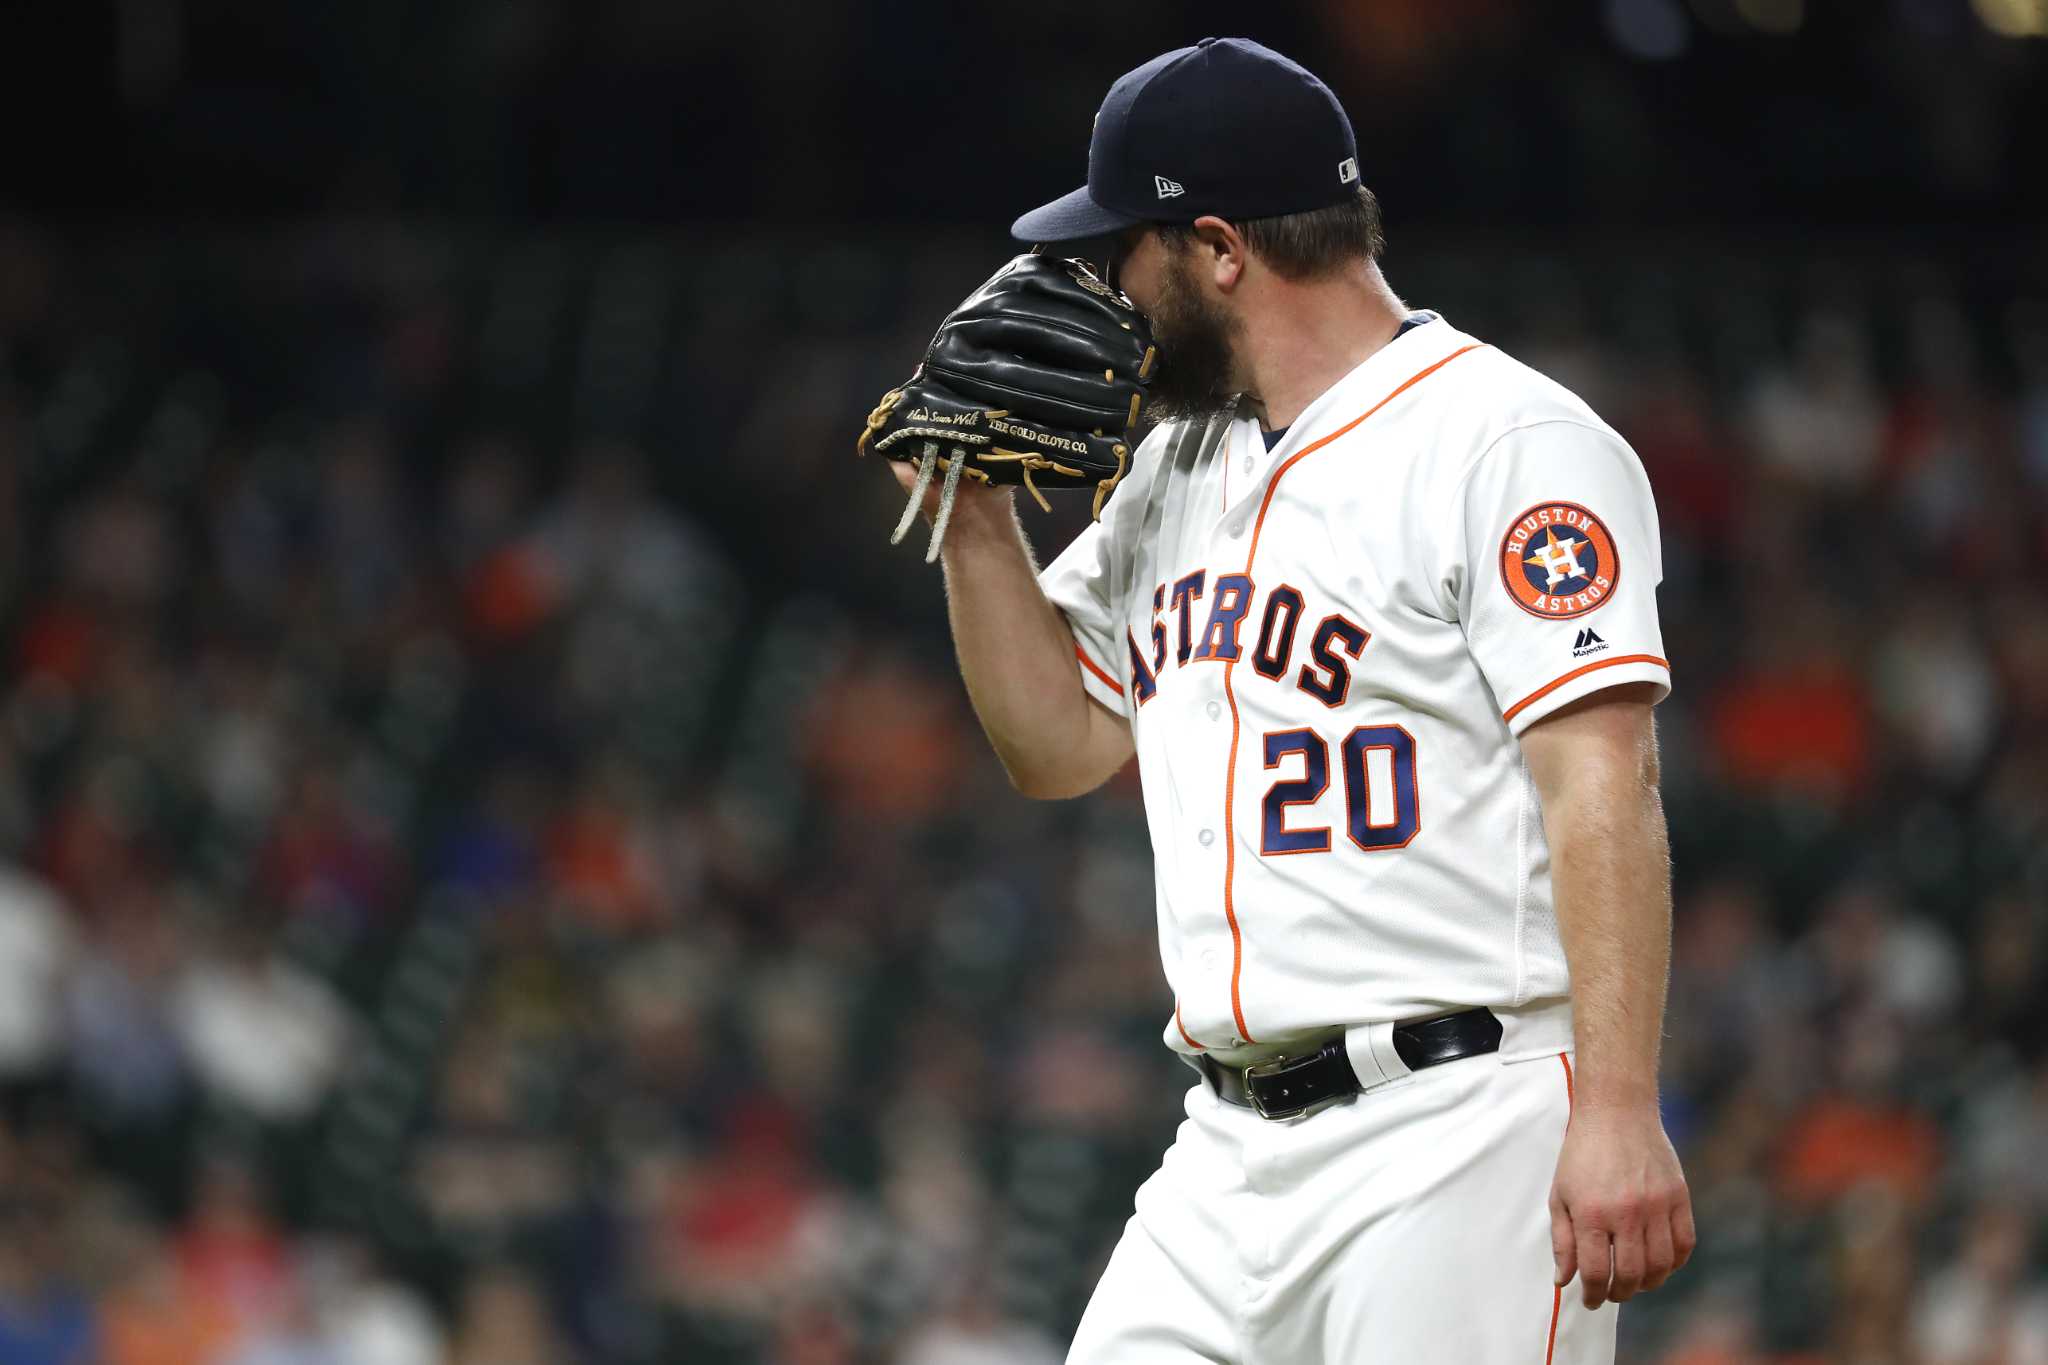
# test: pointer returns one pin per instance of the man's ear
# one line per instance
(1221, 249)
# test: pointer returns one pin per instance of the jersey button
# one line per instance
(1236, 529)
(1215, 709)
(1247, 464)
(1206, 837)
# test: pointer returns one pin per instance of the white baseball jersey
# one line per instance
(1325, 653)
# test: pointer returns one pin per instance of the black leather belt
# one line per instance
(1287, 1086)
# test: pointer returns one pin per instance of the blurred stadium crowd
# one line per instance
(498, 867)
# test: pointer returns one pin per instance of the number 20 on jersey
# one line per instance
(1376, 763)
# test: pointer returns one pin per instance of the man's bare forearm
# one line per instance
(1017, 656)
(1620, 1215)
(1611, 878)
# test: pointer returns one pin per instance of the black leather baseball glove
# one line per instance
(1035, 379)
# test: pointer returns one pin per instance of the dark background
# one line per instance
(495, 863)
(1778, 113)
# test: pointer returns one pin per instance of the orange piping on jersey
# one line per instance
(1557, 1291)
(1540, 693)
(1111, 683)
(1313, 446)
(1230, 693)
(1230, 862)
(1186, 1037)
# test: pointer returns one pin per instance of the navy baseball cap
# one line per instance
(1225, 127)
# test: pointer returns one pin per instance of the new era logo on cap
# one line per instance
(1347, 171)
(1167, 188)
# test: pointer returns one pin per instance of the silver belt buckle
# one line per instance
(1264, 1069)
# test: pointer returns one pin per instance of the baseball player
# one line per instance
(1375, 609)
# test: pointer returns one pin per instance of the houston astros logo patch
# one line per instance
(1558, 561)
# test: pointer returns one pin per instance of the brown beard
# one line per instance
(1194, 338)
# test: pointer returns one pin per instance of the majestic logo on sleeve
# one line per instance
(1558, 561)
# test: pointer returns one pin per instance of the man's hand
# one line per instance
(1620, 1214)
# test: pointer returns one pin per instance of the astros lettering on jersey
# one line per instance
(1326, 652)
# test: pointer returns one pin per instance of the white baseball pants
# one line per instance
(1409, 1225)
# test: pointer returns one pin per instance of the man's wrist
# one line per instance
(1611, 1094)
(986, 514)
